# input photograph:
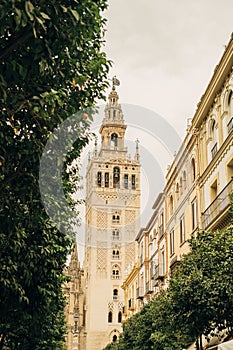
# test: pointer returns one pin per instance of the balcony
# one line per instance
(149, 288)
(218, 206)
(131, 305)
(214, 150)
(139, 293)
(230, 126)
(158, 272)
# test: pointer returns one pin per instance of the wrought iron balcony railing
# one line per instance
(219, 204)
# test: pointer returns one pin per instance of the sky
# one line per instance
(164, 54)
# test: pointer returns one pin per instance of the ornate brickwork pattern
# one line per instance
(102, 219)
(130, 216)
(129, 254)
(102, 258)
(107, 196)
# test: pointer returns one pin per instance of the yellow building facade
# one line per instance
(196, 192)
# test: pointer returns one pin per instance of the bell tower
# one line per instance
(112, 223)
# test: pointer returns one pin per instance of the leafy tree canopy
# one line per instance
(51, 67)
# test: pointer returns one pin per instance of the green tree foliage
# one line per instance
(202, 287)
(51, 67)
(198, 301)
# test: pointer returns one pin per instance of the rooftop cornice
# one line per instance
(215, 85)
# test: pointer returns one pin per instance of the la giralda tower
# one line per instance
(112, 223)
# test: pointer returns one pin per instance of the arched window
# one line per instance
(212, 127)
(193, 169)
(115, 235)
(115, 254)
(171, 204)
(114, 338)
(115, 294)
(181, 185)
(115, 272)
(230, 112)
(114, 139)
(99, 178)
(177, 190)
(116, 218)
(116, 177)
(119, 317)
(184, 179)
(126, 180)
(110, 317)
(133, 182)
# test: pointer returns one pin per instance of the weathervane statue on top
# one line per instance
(115, 82)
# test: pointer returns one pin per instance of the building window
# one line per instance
(126, 180)
(115, 235)
(114, 113)
(110, 317)
(181, 185)
(214, 150)
(182, 230)
(106, 179)
(116, 218)
(230, 170)
(133, 182)
(119, 317)
(171, 205)
(99, 178)
(161, 226)
(172, 243)
(213, 146)
(116, 177)
(213, 190)
(142, 253)
(114, 338)
(115, 254)
(193, 169)
(230, 126)
(115, 294)
(194, 214)
(177, 190)
(115, 272)
(184, 179)
(114, 139)
(163, 263)
(230, 112)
